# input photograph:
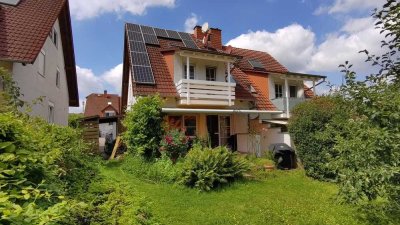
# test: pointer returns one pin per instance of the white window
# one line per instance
(51, 113)
(109, 113)
(41, 62)
(58, 78)
(278, 91)
(211, 73)
(191, 72)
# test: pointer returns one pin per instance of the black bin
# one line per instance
(284, 156)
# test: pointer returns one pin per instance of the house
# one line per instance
(36, 47)
(228, 95)
(106, 107)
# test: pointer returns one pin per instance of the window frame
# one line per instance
(42, 53)
(190, 75)
(278, 91)
(58, 78)
(185, 126)
(208, 68)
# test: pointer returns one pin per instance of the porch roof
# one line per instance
(222, 111)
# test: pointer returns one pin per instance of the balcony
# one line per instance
(280, 103)
(201, 92)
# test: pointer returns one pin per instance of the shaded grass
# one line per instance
(284, 197)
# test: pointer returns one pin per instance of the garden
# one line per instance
(347, 142)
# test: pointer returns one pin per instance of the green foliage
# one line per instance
(143, 125)
(39, 164)
(207, 169)
(156, 170)
(11, 95)
(74, 119)
(174, 144)
(313, 140)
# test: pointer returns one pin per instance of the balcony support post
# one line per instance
(228, 68)
(314, 88)
(188, 78)
(287, 97)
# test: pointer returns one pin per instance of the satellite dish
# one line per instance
(205, 27)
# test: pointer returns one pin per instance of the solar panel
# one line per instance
(133, 27)
(138, 46)
(140, 58)
(256, 64)
(173, 34)
(185, 36)
(161, 32)
(150, 39)
(143, 74)
(135, 36)
(190, 44)
(147, 30)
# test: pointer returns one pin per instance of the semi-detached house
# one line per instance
(36, 47)
(228, 95)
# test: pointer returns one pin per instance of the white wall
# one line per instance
(199, 70)
(106, 128)
(274, 135)
(33, 85)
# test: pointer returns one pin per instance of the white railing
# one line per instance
(201, 92)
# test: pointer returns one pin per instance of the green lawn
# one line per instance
(285, 197)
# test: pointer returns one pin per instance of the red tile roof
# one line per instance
(96, 104)
(165, 85)
(25, 28)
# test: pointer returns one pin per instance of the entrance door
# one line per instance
(213, 132)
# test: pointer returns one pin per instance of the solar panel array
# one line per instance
(138, 37)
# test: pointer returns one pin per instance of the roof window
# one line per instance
(10, 2)
(256, 64)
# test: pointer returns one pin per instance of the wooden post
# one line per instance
(314, 88)
(117, 142)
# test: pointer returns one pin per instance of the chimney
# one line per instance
(197, 32)
(216, 38)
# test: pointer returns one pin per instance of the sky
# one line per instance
(308, 36)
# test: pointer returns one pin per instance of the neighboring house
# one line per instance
(231, 96)
(107, 108)
(36, 47)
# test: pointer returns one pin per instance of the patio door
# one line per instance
(213, 130)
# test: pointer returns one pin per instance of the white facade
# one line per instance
(51, 86)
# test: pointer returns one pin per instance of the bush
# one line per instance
(207, 168)
(313, 141)
(175, 144)
(143, 125)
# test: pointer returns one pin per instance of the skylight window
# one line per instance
(256, 64)
(10, 2)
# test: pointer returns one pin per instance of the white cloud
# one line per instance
(345, 6)
(190, 22)
(356, 35)
(296, 47)
(113, 78)
(86, 9)
(88, 83)
(293, 45)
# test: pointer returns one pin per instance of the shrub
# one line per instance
(143, 125)
(210, 168)
(313, 141)
(174, 144)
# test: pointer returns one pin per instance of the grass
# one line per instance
(283, 197)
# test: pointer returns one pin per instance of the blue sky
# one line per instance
(312, 36)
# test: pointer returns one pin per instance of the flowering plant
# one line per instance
(174, 144)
